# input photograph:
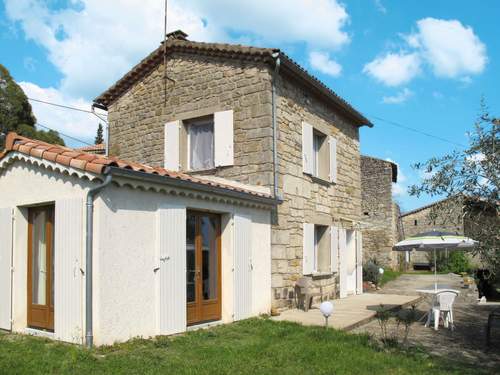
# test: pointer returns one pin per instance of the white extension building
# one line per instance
(166, 250)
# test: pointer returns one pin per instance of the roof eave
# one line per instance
(175, 182)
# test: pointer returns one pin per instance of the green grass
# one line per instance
(389, 275)
(255, 346)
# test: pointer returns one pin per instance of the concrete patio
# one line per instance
(350, 312)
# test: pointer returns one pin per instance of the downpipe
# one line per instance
(89, 332)
(276, 56)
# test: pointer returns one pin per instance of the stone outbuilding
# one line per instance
(381, 225)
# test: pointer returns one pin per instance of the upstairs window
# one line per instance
(201, 144)
(319, 154)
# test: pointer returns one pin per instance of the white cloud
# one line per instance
(448, 48)
(380, 7)
(77, 124)
(322, 62)
(399, 98)
(452, 49)
(394, 69)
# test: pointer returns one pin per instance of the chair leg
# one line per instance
(446, 318)
(429, 317)
(452, 326)
(437, 313)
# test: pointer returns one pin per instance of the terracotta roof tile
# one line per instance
(97, 163)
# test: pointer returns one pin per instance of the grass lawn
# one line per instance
(255, 346)
(389, 275)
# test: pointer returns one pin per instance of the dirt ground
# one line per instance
(467, 343)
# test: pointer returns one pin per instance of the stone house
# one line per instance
(381, 224)
(447, 215)
(253, 116)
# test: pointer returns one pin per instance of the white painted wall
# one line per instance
(24, 185)
(125, 301)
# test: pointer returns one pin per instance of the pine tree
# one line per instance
(99, 138)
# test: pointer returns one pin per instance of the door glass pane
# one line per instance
(209, 257)
(39, 256)
(190, 258)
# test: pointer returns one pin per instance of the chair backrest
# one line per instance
(445, 299)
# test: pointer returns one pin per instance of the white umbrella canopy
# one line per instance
(435, 241)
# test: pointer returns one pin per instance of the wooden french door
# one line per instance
(41, 267)
(203, 260)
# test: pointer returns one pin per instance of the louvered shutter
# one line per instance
(223, 138)
(5, 264)
(307, 148)
(172, 145)
(342, 263)
(242, 267)
(333, 159)
(68, 283)
(359, 263)
(334, 257)
(308, 249)
(171, 252)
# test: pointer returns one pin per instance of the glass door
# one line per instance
(41, 267)
(203, 280)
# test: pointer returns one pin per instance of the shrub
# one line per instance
(453, 261)
(371, 272)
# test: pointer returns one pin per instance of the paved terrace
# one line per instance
(350, 312)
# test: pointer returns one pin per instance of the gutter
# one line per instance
(176, 182)
(276, 57)
(89, 333)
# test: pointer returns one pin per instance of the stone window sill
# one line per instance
(321, 181)
(322, 274)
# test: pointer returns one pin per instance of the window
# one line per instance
(200, 144)
(319, 153)
(321, 249)
(415, 223)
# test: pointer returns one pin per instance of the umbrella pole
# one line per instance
(435, 272)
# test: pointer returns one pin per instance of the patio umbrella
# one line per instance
(436, 241)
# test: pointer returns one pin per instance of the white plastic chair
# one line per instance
(442, 308)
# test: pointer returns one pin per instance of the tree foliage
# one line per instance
(99, 138)
(16, 113)
(474, 175)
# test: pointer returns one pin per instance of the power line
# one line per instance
(68, 107)
(64, 135)
(418, 131)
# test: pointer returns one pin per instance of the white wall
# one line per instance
(125, 303)
(24, 185)
(125, 248)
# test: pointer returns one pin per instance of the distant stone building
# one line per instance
(381, 228)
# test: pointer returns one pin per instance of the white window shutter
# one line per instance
(68, 250)
(333, 159)
(334, 257)
(171, 253)
(223, 138)
(308, 249)
(5, 263)
(342, 263)
(359, 263)
(307, 148)
(242, 267)
(172, 145)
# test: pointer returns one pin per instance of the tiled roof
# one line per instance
(236, 51)
(97, 164)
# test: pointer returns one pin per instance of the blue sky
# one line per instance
(422, 64)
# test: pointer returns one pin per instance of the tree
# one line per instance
(99, 138)
(16, 113)
(474, 175)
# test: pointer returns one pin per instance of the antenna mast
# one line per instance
(165, 77)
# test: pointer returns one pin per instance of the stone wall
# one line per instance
(380, 213)
(446, 216)
(201, 87)
(204, 85)
(305, 198)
